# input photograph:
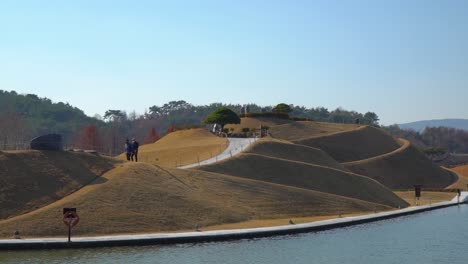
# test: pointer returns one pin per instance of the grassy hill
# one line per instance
(403, 168)
(296, 131)
(138, 197)
(306, 169)
(182, 148)
(286, 150)
(357, 144)
(307, 176)
(256, 122)
(32, 179)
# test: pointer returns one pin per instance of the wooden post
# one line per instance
(69, 231)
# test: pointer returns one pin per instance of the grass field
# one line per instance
(32, 179)
(139, 198)
(426, 197)
(182, 148)
(284, 221)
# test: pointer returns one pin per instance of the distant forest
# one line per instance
(434, 141)
(23, 117)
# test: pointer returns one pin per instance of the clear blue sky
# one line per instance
(405, 60)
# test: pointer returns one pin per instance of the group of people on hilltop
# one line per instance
(131, 149)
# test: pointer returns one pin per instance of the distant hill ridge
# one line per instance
(421, 125)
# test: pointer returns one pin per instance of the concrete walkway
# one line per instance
(217, 235)
(236, 145)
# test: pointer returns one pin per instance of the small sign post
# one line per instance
(70, 219)
(417, 193)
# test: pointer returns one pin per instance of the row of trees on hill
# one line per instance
(434, 140)
(23, 117)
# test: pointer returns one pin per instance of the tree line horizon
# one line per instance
(24, 116)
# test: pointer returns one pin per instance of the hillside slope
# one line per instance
(138, 198)
(256, 122)
(294, 131)
(462, 182)
(403, 168)
(182, 148)
(32, 179)
(357, 144)
(307, 176)
(286, 150)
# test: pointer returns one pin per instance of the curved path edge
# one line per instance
(236, 146)
(217, 235)
(405, 145)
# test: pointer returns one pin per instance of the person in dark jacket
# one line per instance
(135, 146)
(128, 149)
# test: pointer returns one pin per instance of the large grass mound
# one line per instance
(307, 176)
(32, 179)
(357, 144)
(403, 168)
(138, 198)
(182, 148)
(287, 150)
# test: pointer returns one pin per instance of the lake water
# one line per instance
(439, 236)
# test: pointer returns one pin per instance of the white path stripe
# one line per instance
(236, 146)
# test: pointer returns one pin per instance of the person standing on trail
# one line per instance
(128, 149)
(135, 146)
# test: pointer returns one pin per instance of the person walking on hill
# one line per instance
(128, 149)
(135, 146)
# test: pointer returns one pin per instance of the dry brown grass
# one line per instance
(279, 222)
(32, 179)
(462, 182)
(182, 148)
(307, 176)
(286, 150)
(402, 169)
(295, 131)
(426, 197)
(255, 123)
(362, 143)
(140, 198)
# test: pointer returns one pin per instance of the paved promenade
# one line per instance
(236, 145)
(218, 235)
